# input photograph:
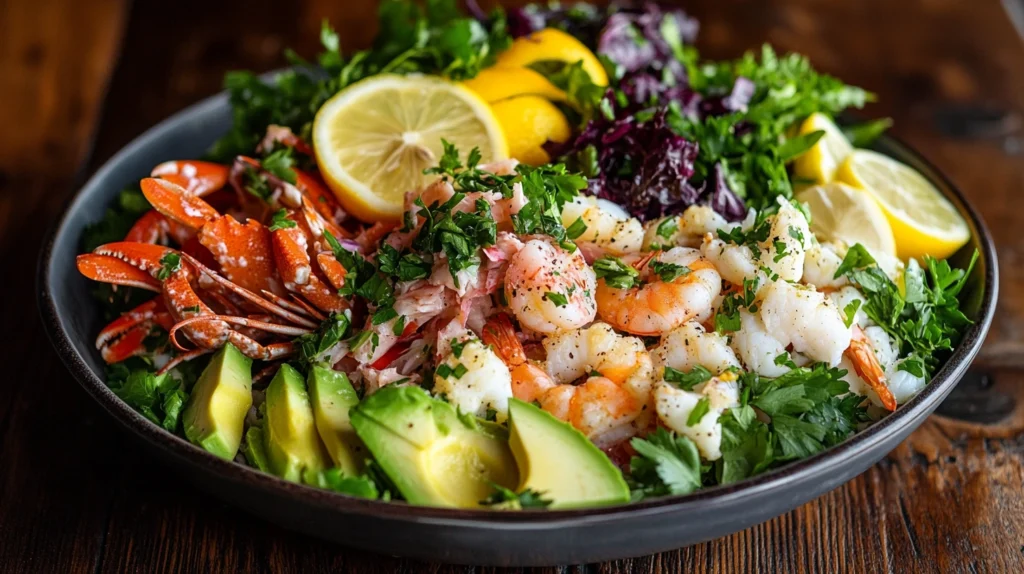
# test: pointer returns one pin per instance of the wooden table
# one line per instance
(79, 79)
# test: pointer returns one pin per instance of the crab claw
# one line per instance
(175, 202)
(112, 269)
(124, 336)
(199, 178)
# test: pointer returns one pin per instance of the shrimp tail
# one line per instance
(866, 364)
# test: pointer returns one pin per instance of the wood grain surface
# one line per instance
(77, 495)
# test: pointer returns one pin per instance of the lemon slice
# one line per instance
(374, 139)
(497, 84)
(923, 221)
(819, 164)
(552, 44)
(529, 122)
(840, 213)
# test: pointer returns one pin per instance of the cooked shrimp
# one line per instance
(529, 380)
(685, 230)
(614, 402)
(806, 319)
(609, 228)
(549, 289)
(473, 378)
(861, 354)
(658, 306)
(674, 407)
(820, 266)
(782, 252)
(689, 346)
(757, 347)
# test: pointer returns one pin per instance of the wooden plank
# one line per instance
(55, 451)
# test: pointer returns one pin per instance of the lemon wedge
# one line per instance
(840, 213)
(552, 44)
(529, 122)
(819, 164)
(923, 221)
(497, 83)
(374, 139)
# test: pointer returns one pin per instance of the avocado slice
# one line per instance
(293, 448)
(557, 461)
(220, 399)
(332, 396)
(434, 455)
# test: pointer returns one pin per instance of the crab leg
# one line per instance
(249, 296)
(110, 269)
(124, 336)
(291, 306)
(183, 358)
(242, 250)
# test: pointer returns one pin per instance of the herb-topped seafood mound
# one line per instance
(543, 258)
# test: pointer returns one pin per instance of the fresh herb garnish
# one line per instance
(664, 464)
(510, 500)
(687, 381)
(616, 273)
(668, 272)
(281, 221)
(169, 264)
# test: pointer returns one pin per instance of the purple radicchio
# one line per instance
(648, 39)
(641, 165)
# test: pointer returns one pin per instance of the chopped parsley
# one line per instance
(281, 221)
(702, 408)
(687, 381)
(170, 263)
(557, 298)
(510, 500)
(615, 273)
(665, 464)
(926, 322)
(668, 272)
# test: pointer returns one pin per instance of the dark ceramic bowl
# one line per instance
(481, 537)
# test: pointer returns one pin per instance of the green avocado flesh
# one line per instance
(293, 448)
(433, 455)
(220, 399)
(332, 397)
(557, 461)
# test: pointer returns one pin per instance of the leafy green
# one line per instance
(926, 322)
(616, 273)
(509, 499)
(863, 135)
(281, 221)
(686, 381)
(437, 39)
(664, 464)
(313, 348)
(117, 220)
(360, 486)
(159, 398)
(668, 271)
(751, 145)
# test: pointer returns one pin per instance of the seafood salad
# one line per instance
(538, 258)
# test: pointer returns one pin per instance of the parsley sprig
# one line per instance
(926, 323)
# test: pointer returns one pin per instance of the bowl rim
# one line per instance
(705, 498)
